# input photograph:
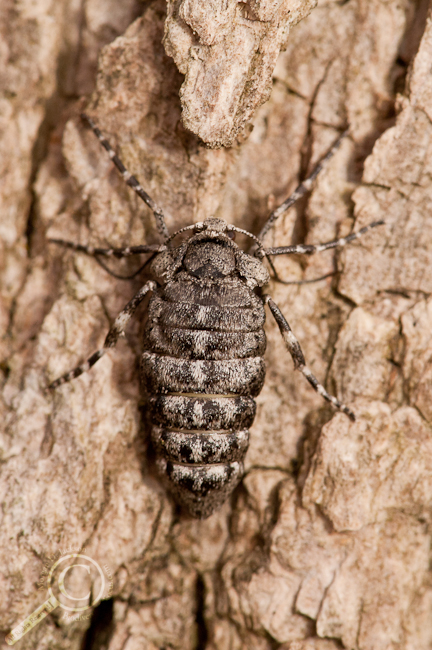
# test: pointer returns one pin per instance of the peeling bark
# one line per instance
(227, 51)
(326, 543)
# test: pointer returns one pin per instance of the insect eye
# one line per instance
(231, 234)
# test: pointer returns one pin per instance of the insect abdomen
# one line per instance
(201, 368)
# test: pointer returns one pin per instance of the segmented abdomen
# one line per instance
(201, 367)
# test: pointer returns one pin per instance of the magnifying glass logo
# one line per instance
(66, 580)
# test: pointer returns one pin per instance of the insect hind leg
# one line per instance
(297, 355)
(115, 332)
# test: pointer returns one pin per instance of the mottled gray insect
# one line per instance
(202, 363)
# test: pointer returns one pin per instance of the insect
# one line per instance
(202, 362)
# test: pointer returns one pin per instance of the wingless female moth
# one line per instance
(202, 362)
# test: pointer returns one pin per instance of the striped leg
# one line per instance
(110, 252)
(299, 361)
(301, 190)
(130, 180)
(297, 282)
(309, 249)
(116, 331)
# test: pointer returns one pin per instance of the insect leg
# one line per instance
(110, 252)
(131, 275)
(297, 355)
(301, 190)
(130, 179)
(117, 330)
(309, 249)
(299, 282)
(277, 278)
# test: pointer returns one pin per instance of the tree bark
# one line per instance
(227, 51)
(326, 542)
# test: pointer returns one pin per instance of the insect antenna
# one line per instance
(130, 179)
(304, 187)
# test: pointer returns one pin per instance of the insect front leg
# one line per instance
(310, 249)
(115, 332)
(118, 253)
(110, 252)
(296, 352)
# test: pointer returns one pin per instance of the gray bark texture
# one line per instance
(326, 543)
(227, 51)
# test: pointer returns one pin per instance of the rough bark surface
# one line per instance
(227, 50)
(326, 543)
